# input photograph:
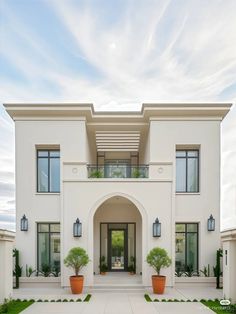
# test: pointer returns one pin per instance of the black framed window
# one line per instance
(48, 171)
(48, 246)
(186, 247)
(187, 171)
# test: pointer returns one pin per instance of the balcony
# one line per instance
(117, 171)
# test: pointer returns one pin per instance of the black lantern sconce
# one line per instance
(211, 223)
(77, 228)
(24, 223)
(156, 228)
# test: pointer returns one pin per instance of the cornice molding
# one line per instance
(186, 111)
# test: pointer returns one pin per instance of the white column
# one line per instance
(6, 264)
(229, 262)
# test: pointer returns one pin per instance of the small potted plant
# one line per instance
(96, 174)
(103, 266)
(76, 259)
(131, 267)
(158, 258)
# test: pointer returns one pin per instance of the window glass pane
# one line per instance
(193, 153)
(180, 153)
(54, 153)
(43, 228)
(192, 227)
(192, 175)
(180, 251)
(181, 175)
(42, 153)
(192, 251)
(55, 227)
(42, 175)
(180, 227)
(54, 175)
(117, 239)
(43, 250)
(55, 251)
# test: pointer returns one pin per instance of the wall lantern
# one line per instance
(156, 228)
(24, 223)
(211, 224)
(77, 229)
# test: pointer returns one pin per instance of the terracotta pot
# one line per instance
(158, 284)
(103, 273)
(76, 284)
(131, 273)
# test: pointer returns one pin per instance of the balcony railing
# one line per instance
(117, 171)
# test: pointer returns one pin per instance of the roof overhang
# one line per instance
(50, 111)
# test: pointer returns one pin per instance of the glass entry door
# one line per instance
(117, 248)
(117, 245)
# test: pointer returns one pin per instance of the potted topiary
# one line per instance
(77, 258)
(103, 266)
(158, 258)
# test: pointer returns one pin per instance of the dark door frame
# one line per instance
(109, 253)
(125, 252)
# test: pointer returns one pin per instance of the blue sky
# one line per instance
(115, 54)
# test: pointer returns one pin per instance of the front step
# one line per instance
(118, 288)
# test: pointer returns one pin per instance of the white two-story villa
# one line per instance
(118, 184)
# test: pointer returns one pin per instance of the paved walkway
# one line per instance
(116, 303)
(179, 292)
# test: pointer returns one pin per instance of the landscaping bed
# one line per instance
(17, 306)
(214, 305)
(14, 306)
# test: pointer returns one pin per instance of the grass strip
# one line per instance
(14, 306)
(216, 307)
(87, 298)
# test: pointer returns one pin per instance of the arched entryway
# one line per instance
(118, 235)
(118, 232)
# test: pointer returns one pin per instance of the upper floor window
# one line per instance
(48, 170)
(187, 171)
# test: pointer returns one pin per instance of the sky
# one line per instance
(117, 54)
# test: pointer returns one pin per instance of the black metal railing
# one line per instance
(117, 171)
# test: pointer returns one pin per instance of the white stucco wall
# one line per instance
(81, 197)
(6, 264)
(194, 207)
(229, 262)
(41, 207)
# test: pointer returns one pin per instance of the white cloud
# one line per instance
(154, 51)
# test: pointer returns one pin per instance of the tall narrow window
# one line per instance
(187, 171)
(186, 247)
(48, 171)
(48, 247)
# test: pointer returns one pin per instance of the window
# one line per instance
(186, 247)
(187, 171)
(48, 240)
(48, 171)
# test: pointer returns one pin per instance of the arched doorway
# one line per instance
(118, 233)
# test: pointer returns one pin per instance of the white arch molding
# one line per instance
(90, 225)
